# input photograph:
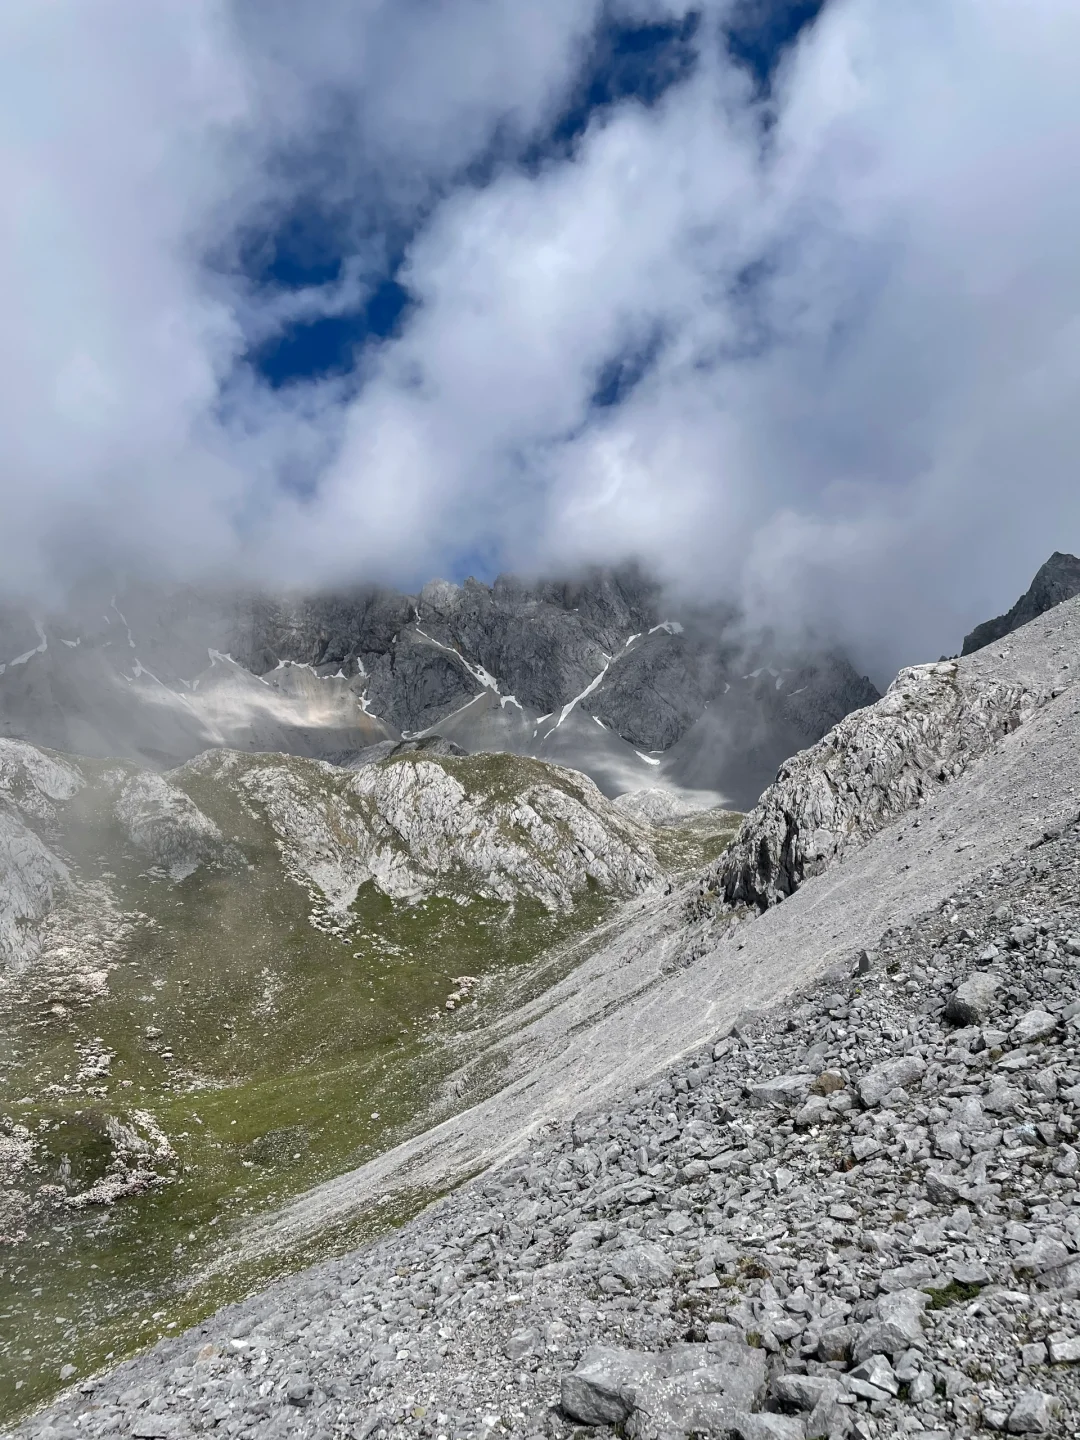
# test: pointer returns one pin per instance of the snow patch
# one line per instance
(647, 758)
(37, 650)
(671, 626)
(139, 669)
(71, 644)
(123, 617)
(566, 709)
(479, 674)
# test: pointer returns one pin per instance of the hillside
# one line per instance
(811, 1168)
(223, 984)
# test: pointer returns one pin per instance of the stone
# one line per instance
(921, 1388)
(836, 1343)
(970, 1002)
(767, 1427)
(522, 1344)
(969, 1272)
(1034, 1025)
(895, 1327)
(641, 1264)
(877, 1371)
(156, 1427)
(816, 1111)
(802, 1392)
(600, 1390)
(783, 1090)
(1033, 1414)
(889, 1075)
(299, 1391)
(1064, 1348)
(1044, 1255)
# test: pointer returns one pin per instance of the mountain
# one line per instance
(595, 674)
(1057, 580)
(782, 1160)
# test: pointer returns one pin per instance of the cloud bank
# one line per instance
(815, 345)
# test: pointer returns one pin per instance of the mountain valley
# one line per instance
(263, 1006)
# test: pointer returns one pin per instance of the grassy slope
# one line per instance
(287, 1055)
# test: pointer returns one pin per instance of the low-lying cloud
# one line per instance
(846, 313)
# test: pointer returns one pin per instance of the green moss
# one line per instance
(954, 1293)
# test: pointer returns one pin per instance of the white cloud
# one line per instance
(874, 427)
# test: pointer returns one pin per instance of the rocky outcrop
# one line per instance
(32, 785)
(168, 826)
(1056, 581)
(496, 827)
(876, 764)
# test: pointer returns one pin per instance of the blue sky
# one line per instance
(623, 62)
(780, 299)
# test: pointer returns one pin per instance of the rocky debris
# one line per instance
(933, 721)
(83, 1160)
(1056, 581)
(31, 878)
(702, 1255)
(169, 827)
(16, 1154)
(664, 807)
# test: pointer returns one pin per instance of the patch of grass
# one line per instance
(954, 1293)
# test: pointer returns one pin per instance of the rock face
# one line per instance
(593, 673)
(876, 764)
(497, 827)
(34, 787)
(1057, 580)
(166, 824)
(425, 821)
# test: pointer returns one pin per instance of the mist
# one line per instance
(809, 343)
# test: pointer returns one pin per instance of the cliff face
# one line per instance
(593, 674)
(931, 724)
(892, 757)
(1057, 580)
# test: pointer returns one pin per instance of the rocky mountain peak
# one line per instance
(1057, 580)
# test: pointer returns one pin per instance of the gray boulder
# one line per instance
(1033, 1414)
(890, 1075)
(685, 1390)
(970, 1002)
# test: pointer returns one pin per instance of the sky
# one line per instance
(780, 299)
